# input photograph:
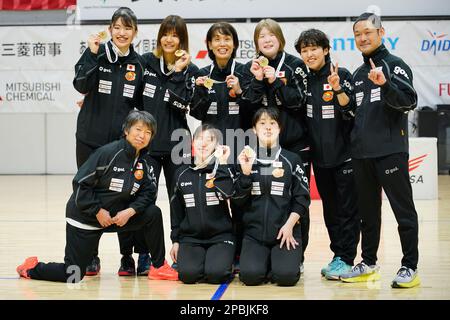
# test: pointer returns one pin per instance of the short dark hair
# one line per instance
(208, 127)
(127, 15)
(273, 113)
(172, 23)
(372, 17)
(312, 38)
(222, 28)
(136, 116)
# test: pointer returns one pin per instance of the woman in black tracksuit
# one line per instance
(329, 127)
(111, 77)
(203, 241)
(279, 85)
(169, 82)
(273, 191)
(113, 191)
(221, 105)
(168, 87)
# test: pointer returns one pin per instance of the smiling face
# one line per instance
(367, 37)
(170, 42)
(267, 130)
(204, 145)
(222, 46)
(122, 35)
(139, 135)
(314, 56)
(268, 43)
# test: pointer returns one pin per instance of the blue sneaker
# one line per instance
(175, 266)
(144, 264)
(337, 269)
(327, 268)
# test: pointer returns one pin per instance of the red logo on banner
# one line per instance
(201, 54)
(416, 162)
(444, 88)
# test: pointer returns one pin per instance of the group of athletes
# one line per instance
(238, 186)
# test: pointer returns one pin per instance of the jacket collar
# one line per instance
(380, 53)
(274, 62)
(324, 71)
(130, 151)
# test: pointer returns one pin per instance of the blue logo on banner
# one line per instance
(437, 43)
(348, 44)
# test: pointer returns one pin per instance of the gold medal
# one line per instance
(278, 172)
(208, 83)
(263, 61)
(249, 153)
(210, 183)
(103, 35)
(179, 53)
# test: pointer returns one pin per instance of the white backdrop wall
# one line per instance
(37, 67)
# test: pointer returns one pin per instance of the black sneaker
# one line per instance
(94, 268)
(143, 264)
(127, 266)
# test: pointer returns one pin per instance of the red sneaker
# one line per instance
(165, 272)
(28, 264)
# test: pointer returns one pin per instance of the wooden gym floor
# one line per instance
(32, 223)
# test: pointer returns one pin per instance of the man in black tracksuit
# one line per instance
(383, 95)
(286, 94)
(111, 91)
(113, 179)
(329, 130)
(201, 223)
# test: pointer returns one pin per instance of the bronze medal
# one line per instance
(232, 93)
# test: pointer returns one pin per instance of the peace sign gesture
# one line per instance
(376, 75)
(333, 78)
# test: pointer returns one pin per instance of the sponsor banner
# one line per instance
(423, 171)
(210, 9)
(37, 91)
(40, 53)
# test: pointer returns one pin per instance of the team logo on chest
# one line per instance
(327, 96)
(130, 76)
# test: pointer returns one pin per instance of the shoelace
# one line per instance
(360, 267)
(404, 272)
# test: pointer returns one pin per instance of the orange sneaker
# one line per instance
(28, 264)
(165, 272)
